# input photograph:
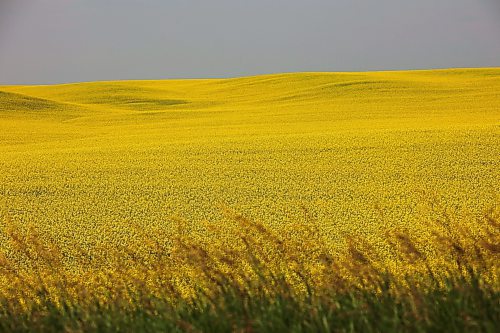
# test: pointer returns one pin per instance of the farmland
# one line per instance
(358, 150)
(96, 166)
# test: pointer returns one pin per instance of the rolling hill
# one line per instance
(360, 151)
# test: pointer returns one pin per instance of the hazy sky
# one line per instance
(51, 41)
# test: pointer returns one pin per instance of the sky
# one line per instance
(58, 41)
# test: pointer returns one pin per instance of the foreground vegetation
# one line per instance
(459, 307)
(263, 282)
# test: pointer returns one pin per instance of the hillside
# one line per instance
(361, 151)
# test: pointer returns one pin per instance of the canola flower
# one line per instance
(109, 188)
(247, 257)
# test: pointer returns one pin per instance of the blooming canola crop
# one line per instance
(89, 163)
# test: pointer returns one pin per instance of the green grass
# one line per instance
(459, 306)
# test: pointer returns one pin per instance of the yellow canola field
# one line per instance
(91, 163)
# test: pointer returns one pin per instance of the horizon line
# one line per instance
(251, 76)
